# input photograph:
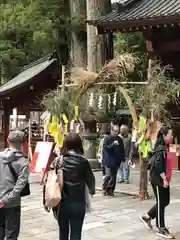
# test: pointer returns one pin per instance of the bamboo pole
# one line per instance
(148, 83)
(143, 184)
(105, 83)
(63, 81)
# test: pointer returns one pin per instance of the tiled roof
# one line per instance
(25, 77)
(136, 10)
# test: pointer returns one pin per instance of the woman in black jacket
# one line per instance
(77, 176)
(160, 174)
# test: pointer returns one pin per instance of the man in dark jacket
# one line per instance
(10, 188)
(113, 155)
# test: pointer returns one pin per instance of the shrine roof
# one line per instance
(28, 73)
(139, 13)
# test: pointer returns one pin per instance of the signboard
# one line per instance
(42, 158)
(174, 152)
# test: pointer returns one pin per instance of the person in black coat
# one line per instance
(113, 155)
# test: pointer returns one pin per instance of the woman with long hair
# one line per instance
(160, 176)
(77, 176)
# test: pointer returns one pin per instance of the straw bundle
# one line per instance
(116, 70)
(80, 77)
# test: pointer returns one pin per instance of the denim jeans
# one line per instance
(123, 172)
(10, 223)
(70, 220)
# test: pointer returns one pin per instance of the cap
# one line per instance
(16, 136)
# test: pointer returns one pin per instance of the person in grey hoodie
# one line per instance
(11, 188)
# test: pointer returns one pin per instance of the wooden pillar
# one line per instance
(6, 121)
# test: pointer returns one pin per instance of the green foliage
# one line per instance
(161, 90)
(56, 104)
(155, 96)
(130, 42)
(29, 30)
(133, 43)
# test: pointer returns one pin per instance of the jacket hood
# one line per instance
(10, 155)
(159, 148)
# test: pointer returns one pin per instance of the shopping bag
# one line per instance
(52, 190)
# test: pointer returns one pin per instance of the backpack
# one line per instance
(26, 190)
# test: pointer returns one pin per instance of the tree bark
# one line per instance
(97, 45)
(78, 50)
(96, 57)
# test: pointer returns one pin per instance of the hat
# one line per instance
(16, 136)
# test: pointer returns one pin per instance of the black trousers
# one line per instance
(162, 200)
(109, 182)
(103, 170)
(10, 223)
(70, 220)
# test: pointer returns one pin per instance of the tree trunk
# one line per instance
(96, 55)
(97, 45)
(78, 38)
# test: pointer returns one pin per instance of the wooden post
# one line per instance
(15, 117)
(6, 121)
(29, 141)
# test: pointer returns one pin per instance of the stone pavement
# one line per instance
(133, 187)
(111, 218)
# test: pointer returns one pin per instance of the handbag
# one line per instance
(53, 189)
(26, 190)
